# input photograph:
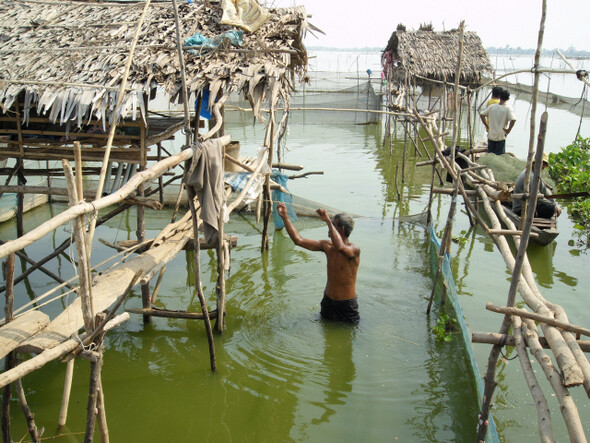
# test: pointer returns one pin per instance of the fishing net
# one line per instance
(507, 168)
(347, 105)
(420, 219)
(452, 298)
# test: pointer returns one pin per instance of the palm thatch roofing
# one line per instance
(69, 58)
(434, 55)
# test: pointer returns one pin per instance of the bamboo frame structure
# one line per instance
(125, 90)
(560, 337)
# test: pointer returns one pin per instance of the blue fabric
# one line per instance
(236, 38)
(205, 112)
(279, 196)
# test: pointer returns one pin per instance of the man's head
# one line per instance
(344, 221)
(545, 160)
(504, 95)
(496, 92)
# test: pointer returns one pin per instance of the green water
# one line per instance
(283, 374)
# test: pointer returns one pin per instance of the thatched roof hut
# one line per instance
(433, 55)
(68, 58)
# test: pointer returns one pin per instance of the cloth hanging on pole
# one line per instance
(205, 177)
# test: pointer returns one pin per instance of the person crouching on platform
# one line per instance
(343, 257)
(545, 208)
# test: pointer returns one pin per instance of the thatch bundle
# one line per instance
(434, 55)
(69, 57)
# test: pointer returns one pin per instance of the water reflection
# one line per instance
(339, 367)
(541, 260)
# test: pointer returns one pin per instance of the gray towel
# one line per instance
(205, 177)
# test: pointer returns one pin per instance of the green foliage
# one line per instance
(445, 325)
(571, 171)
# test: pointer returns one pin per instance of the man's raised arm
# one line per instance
(312, 245)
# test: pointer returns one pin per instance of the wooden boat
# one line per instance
(545, 228)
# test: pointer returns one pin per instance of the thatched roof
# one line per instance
(69, 57)
(434, 55)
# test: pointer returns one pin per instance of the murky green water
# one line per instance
(285, 375)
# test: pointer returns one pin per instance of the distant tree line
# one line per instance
(569, 52)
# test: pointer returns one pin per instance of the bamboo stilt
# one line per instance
(65, 401)
(198, 286)
(268, 142)
(102, 415)
(95, 369)
(83, 265)
(10, 360)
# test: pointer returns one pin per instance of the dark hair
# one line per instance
(497, 91)
(346, 222)
(504, 95)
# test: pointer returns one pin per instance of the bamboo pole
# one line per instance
(187, 121)
(221, 272)
(534, 99)
(29, 416)
(113, 127)
(269, 143)
(65, 400)
(493, 338)
(83, 265)
(567, 407)
(102, 415)
(198, 285)
(95, 369)
(10, 361)
(537, 317)
(543, 413)
(167, 313)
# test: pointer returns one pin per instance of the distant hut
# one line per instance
(423, 55)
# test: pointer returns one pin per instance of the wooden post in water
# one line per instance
(10, 361)
(65, 400)
(198, 286)
(268, 142)
(221, 274)
(83, 265)
(146, 299)
(95, 369)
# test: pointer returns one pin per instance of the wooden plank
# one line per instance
(105, 290)
(21, 329)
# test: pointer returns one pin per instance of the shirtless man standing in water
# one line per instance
(339, 302)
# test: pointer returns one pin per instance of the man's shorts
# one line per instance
(340, 310)
(497, 146)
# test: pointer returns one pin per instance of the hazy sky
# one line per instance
(515, 23)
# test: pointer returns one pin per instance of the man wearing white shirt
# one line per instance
(499, 120)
